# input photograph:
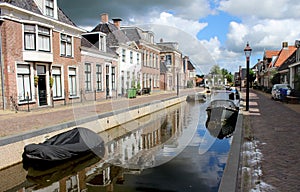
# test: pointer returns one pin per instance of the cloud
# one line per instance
(267, 9)
(262, 34)
(89, 14)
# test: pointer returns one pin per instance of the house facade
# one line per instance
(129, 54)
(172, 58)
(295, 71)
(98, 69)
(150, 59)
(40, 51)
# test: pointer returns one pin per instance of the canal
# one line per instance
(170, 150)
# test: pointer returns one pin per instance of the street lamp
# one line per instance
(247, 51)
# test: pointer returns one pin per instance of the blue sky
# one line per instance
(218, 25)
(210, 32)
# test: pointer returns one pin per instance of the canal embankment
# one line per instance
(120, 112)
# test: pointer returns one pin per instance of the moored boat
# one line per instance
(63, 147)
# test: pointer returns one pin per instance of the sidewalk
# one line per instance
(17, 123)
(275, 129)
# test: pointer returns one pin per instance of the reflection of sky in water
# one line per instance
(199, 166)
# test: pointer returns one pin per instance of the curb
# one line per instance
(229, 179)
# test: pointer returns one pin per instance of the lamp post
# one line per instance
(247, 51)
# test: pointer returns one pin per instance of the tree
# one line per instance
(215, 70)
(275, 79)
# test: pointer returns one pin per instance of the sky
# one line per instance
(210, 32)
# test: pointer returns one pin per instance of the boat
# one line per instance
(222, 108)
(62, 148)
(221, 118)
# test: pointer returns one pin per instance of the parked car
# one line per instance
(279, 91)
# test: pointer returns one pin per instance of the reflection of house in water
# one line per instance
(130, 148)
(135, 150)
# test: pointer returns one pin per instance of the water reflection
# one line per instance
(157, 153)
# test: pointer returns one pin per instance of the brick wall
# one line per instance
(12, 52)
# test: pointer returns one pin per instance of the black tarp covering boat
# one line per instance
(221, 118)
(63, 147)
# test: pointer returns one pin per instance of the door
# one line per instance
(42, 86)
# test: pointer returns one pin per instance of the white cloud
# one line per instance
(279, 9)
(191, 27)
(262, 34)
(195, 9)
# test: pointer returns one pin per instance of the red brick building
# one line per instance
(40, 54)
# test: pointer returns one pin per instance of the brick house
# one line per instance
(150, 64)
(98, 71)
(172, 58)
(40, 51)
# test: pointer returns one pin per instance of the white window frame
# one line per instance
(57, 75)
(99, 77)
(73, 82)
(29, 87)
(42, 38)
(88, 77)
(49, 8)
(66, 45)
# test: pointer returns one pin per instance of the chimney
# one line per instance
(285, 45)
(161, 40)
(117, 22)
(104, 18)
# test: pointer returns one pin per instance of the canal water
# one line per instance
(170, 150)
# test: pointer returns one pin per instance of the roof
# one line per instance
(283, 55)
(270, 53)
(86, 43)
(287, 62)
(31, 6)
(190, 66)
(115, 37)
(132, 33)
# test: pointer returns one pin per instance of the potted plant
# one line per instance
(51, 80)
(36, 80)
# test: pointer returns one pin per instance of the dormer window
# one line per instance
(49, 7)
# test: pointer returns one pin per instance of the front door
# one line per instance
(42, 88)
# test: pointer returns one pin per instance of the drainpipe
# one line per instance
(2, 67)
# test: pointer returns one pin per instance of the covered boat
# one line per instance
(63, 147)
(222, 109)
(221, 118)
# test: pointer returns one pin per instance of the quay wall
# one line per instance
(11, 148)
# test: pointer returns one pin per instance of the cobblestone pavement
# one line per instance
(17, 123)
(276, 127)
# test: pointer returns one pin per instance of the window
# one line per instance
(24, 83)
(168, 59)
(49, 5)
(102, 45)
(72, 82)
(29, 37)
(113, 78)
(99, 77)
(131, 57)
(151, 60)
(44, 38)
(65, 45)
(137, 58)
(88, 86)
(123, 55)
(37, 36)
(57, 83)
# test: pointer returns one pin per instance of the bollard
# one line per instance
(27, 97)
